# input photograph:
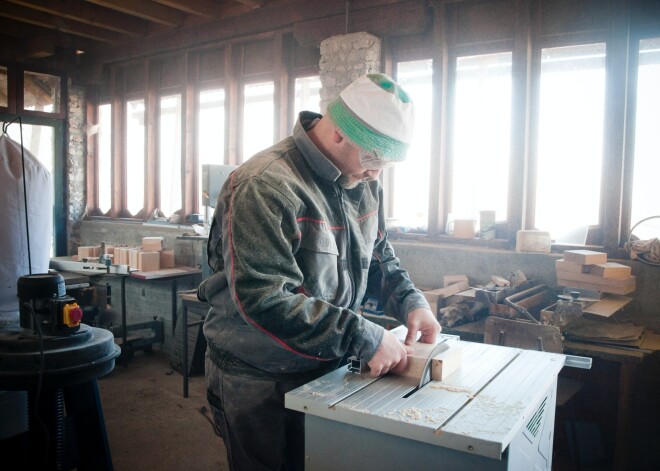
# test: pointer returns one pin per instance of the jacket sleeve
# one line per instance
(259, 237)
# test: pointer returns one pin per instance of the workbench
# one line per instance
(495, 412)
(625, 361)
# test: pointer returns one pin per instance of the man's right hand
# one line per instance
(392, 355)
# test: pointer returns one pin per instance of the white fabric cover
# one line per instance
(13, 238)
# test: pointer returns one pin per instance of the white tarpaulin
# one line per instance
(13, 236)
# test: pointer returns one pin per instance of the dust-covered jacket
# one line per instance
(292, 253)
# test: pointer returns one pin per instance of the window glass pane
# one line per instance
(210, 131)
(307, 90)
(170, 154)
(645, 200)
(570, 140)
(3, 87)
(481, 136)
(135, 155)
(41, 92)
(411, 177)
(258, 117)
(104, 144)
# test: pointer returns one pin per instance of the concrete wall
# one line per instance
(427, 263)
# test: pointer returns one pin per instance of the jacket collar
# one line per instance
(321, 165)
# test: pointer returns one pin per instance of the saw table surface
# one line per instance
(478, 409)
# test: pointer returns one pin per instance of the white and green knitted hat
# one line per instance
(376, 115)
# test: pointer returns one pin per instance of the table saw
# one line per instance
(495, 412)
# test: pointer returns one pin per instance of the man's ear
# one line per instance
(337, 138)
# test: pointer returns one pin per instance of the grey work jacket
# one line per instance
(291, 253)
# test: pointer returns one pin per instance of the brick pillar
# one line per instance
(75, 165)
(345, 58)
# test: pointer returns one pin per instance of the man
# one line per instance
(297, 236)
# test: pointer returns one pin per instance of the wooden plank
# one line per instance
(630, 288)
(597, 279)
(586, 257)
(607, 306)
(167, 273)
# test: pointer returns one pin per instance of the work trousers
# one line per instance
(258, 431)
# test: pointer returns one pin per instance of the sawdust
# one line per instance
(414, 414)
(444, 387)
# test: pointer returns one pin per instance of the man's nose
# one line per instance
(372, 174)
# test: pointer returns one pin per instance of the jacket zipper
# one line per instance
(340, 194)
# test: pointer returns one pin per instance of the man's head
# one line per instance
(376, 115)
(372, 123)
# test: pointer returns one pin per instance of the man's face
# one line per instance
(356, 167)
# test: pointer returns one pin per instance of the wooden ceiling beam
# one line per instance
(204, 8)
(79, 10)
(146, 10)
(253, 3)
(44, 20)
(27, 32)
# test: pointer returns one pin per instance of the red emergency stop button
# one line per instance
(72, 315)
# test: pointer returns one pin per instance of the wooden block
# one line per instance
(151, 244)
(86, 251)
(148, 261)
(167, 258)
(121, 255)
(585, 257)
(133, 258)
(572, 267)
(449, 280)
(500, 280)
(110, 249)
(611, 270)
(443, 364)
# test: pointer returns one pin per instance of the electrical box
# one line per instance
(213, 177)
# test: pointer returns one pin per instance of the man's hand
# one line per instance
(392, 355)
(422, 320)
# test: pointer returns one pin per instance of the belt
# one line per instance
(231, 364)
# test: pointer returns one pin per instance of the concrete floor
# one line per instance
(150, 425)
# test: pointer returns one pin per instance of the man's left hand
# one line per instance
(422, 320)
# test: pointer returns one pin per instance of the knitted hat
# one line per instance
(376, 115)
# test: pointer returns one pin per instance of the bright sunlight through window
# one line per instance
(570, 145)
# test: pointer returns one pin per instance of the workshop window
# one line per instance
(410, 179)
(645, 202)
(481, 135)
(258, 117)
(41, 92)
(4, 87)
(210, 131)
(135, 154)
(307, 95)
(104, 157)
(570, 142)
(170, 154)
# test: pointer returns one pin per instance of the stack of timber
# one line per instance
(590, 270)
